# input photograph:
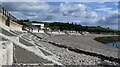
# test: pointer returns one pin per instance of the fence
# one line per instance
(7, 14)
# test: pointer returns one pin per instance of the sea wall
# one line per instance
(15, 26)
(6, 53)
(2, 19)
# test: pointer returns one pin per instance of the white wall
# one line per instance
(6, 53)
(36, 31)
(15, 26)
(2, 19)
(10, 54)
(0, 56)
(42, 25)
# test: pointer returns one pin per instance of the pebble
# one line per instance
(71, 58)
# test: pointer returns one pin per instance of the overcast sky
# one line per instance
(85, 13)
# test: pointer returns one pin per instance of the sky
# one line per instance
(104, 14)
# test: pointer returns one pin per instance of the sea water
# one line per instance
(114, 44)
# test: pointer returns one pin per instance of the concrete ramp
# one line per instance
(6, 53)
(23, 56)
(29, 54)
(7, 33)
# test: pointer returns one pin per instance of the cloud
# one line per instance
(20, 0)
(68, 9)
(26, 6)
(64, 12)
(27, 10)
(110, 20)
(59, 0)
(116, 4)
(104, 9)
(71, 12)
(72, 7)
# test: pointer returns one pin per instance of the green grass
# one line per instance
(108, 39)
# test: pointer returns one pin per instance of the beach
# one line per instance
(82, 42)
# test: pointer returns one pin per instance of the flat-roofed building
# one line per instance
(38, 27)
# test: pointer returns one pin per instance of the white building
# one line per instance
(38, 27)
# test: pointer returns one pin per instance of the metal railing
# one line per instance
(7, 14)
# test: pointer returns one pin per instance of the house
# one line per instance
(38, 27)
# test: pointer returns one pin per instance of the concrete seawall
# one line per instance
(6, 53)
(84, 44)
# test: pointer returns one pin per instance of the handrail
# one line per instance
(7, 14)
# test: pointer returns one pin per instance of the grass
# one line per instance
(108, 39)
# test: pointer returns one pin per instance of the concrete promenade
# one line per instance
(34, 51)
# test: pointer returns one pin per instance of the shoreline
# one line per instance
(98, 52)
(80, 40)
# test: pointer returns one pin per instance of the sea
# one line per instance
(114, 44)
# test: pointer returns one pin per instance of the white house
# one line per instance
(38, 27)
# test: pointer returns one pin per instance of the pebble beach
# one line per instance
(82, 42)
